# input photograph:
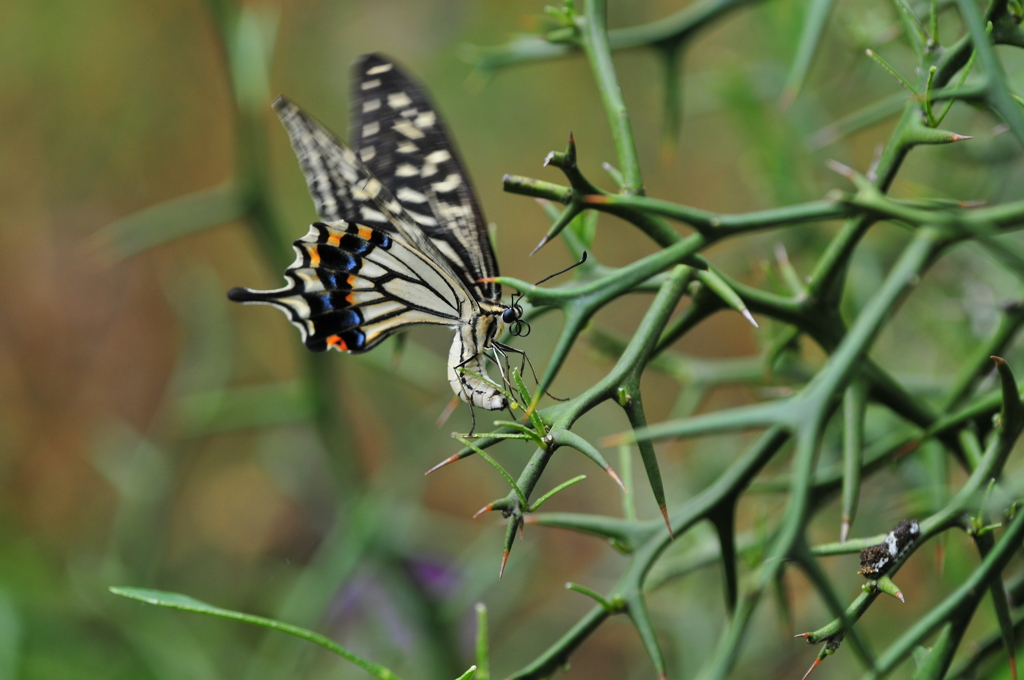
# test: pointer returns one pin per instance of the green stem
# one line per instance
(598, 51)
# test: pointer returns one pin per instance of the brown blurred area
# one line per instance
(113, 471)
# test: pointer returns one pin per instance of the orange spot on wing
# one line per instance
(334, 239)
(336, 342)
(351, 281)
(314, 257)
(365, 233)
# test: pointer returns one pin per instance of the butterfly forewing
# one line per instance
(400, 137)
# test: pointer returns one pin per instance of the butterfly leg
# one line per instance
(465, 390)
(502, 369)
(526, 361)
(498, 356)
(522, 365)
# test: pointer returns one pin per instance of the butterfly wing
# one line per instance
(344, 189)
(352, 285)
(403, 142)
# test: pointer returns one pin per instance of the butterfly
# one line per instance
(401, 241)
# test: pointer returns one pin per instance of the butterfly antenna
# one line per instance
(569, 268)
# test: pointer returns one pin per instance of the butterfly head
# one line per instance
(512, 315)
(513, 318)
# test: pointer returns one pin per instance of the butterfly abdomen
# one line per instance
(467, 373)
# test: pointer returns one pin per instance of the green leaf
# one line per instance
(189, 604)
(468, 674)
(483, 655)
(497, 466)
(549, 494)
(592, 594)
(538, 424)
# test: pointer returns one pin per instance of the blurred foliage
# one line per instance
(153, 437)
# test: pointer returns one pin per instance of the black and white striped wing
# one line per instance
(401, 138)
(344, 189)
(353, 285)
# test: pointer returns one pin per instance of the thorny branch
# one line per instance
(812, 309)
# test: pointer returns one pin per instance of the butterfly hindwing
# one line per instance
(402, 140)
(353, 285)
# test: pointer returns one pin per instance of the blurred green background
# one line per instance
(153, 435)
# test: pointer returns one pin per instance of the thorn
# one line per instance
(446, 461)
(522, 530)
(611, 473)
(954, 137)
(486, 508)
(781, 256)
(804, 635)
(572, 140)
(543, 242)
(1013, 665)
(664, 513)
(529, 519)
(907, 448)
(746, 315)
(548, 158)
(486, 279)
(872, 173)
(662, 676)
(844, 530)
(816, 661)
(844, 170)
(885, 584)
(448, 411)
(999, 360)
(504, 559)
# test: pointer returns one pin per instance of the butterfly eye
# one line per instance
(510, 315)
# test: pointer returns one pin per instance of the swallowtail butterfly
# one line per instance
(402, 239)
